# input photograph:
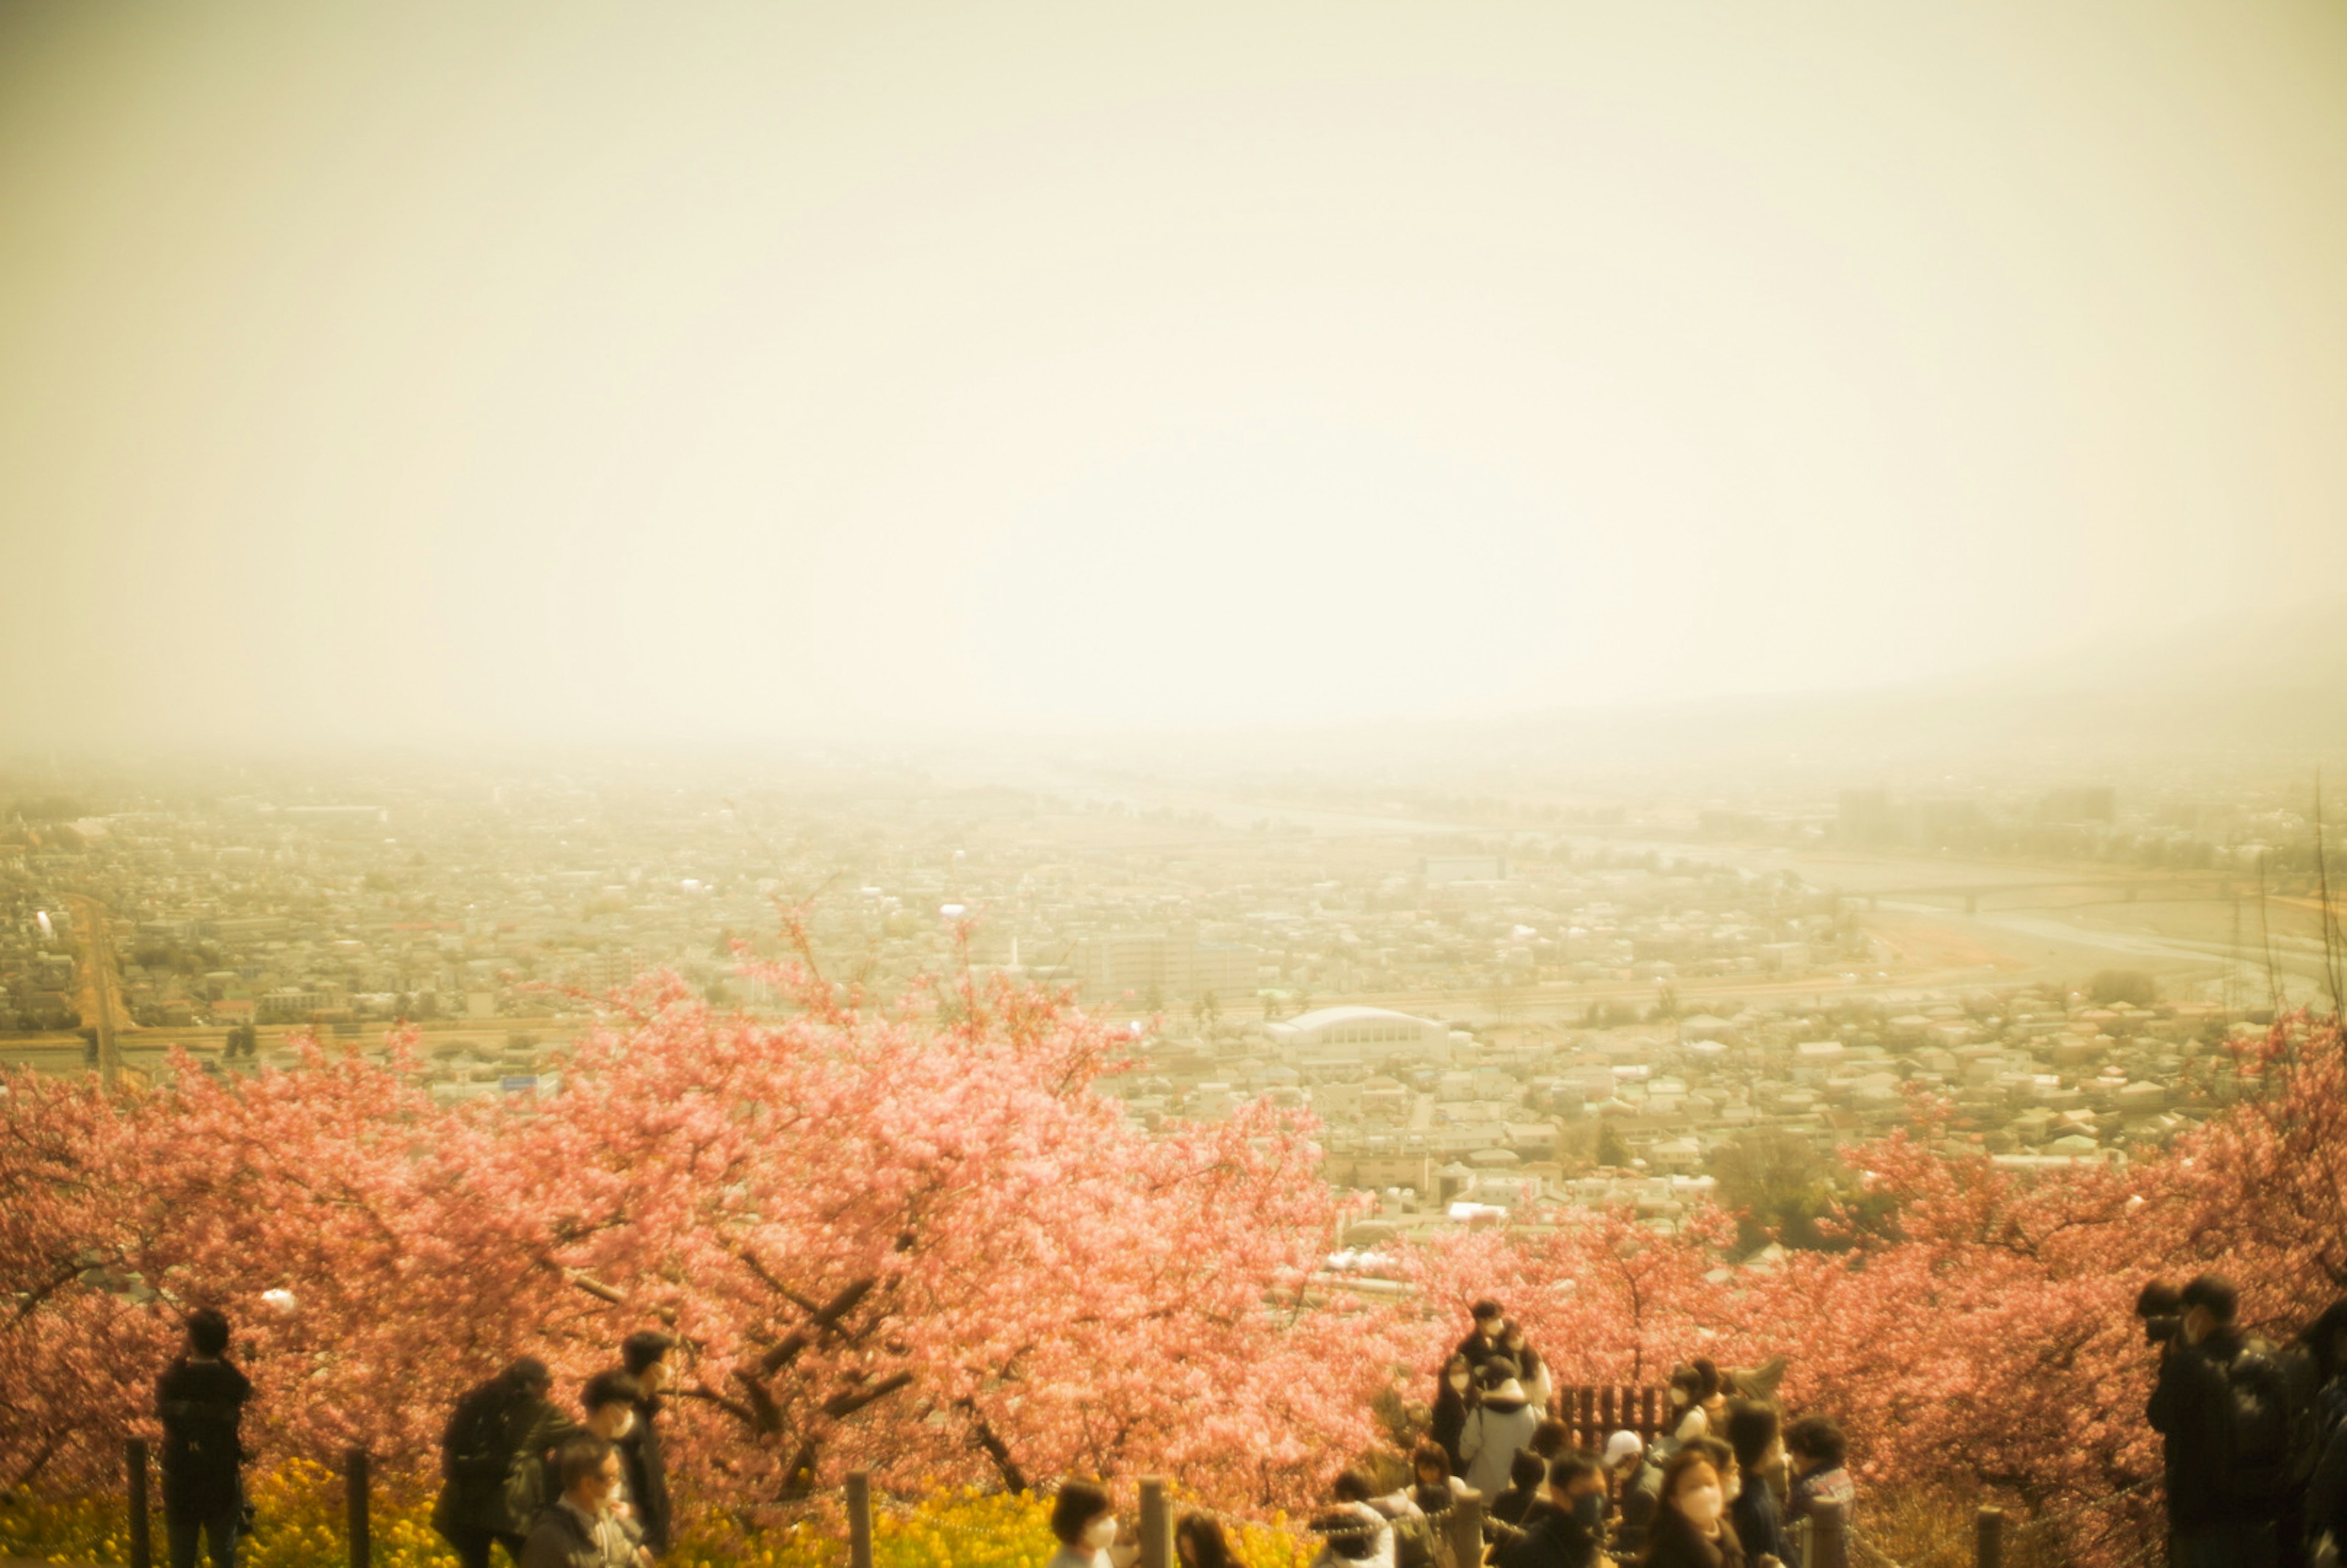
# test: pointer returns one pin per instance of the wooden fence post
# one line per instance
(354, 1500)
(1156, 1524)
(859, 1519)
(1467, 1528)
(142, 1540)
(1990, 1551)
(1828, 1544)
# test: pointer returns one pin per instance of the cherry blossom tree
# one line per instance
(918, 1237)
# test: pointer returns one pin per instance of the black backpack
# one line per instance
(2258, 1429)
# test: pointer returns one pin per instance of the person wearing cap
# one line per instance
(1502, 1422)
(1637, 1490)
(493, 1462)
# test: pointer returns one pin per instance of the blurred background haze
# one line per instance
(573, 373)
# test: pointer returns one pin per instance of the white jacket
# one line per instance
(1491, 1442)
(1381, 1555)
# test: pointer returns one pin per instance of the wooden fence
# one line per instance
(1595, 1413)
(1828, 1544)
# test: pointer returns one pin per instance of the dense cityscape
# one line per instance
(1499, 1009)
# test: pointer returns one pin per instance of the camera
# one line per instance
(2161, 1306)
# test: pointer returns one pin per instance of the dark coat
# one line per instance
(2191, 1407)
(1554, 1540)
(2326, 1493)
(201, 1404)
(1510, 1506)
(1672, 1543)
(646, 1473)
(1478, 1350)
(1757, 1526)
(493, 1461)
(1633, 1511)
(1446, 1422)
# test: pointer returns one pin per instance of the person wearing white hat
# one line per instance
(1627, 1467)
(1501, 1424)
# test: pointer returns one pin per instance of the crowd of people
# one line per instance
(2255, 1434)
(1726, 1485)
(556, 1491)
(2255, 1463)
(519, 1472)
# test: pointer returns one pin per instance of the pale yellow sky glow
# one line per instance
(568, 371)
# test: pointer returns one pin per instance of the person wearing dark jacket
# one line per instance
(201, 1400)
(2214, 1520)
(1568, 1529)
(1482, 1341)
(1527, 1479)
(1448, 1422)
(493, 1462)
(1691, 1528)
(645, 1357)
(1752, 1434)
(2317, 1363)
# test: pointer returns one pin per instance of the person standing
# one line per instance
(1819, 1456)
(610, 1404)
(582, 1530)
(1752, 1434)
(644, 1355)
(1625, 1464)
(1571, 1531)
(2223, 1404)
(1502, 1423)
(200, 1398)
(493, 1462)
(1691, 1528)
(1448, 1416)
(1482, 1341)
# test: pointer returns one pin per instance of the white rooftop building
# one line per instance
(1372, 1034)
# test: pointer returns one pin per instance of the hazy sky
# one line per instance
(418, 370)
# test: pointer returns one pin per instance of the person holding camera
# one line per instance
(2222, 1404)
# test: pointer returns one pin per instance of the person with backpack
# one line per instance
(2221, 1401)
(1503, 1421)
(493, 1462)
(1527, 1479)
(200, 1400)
